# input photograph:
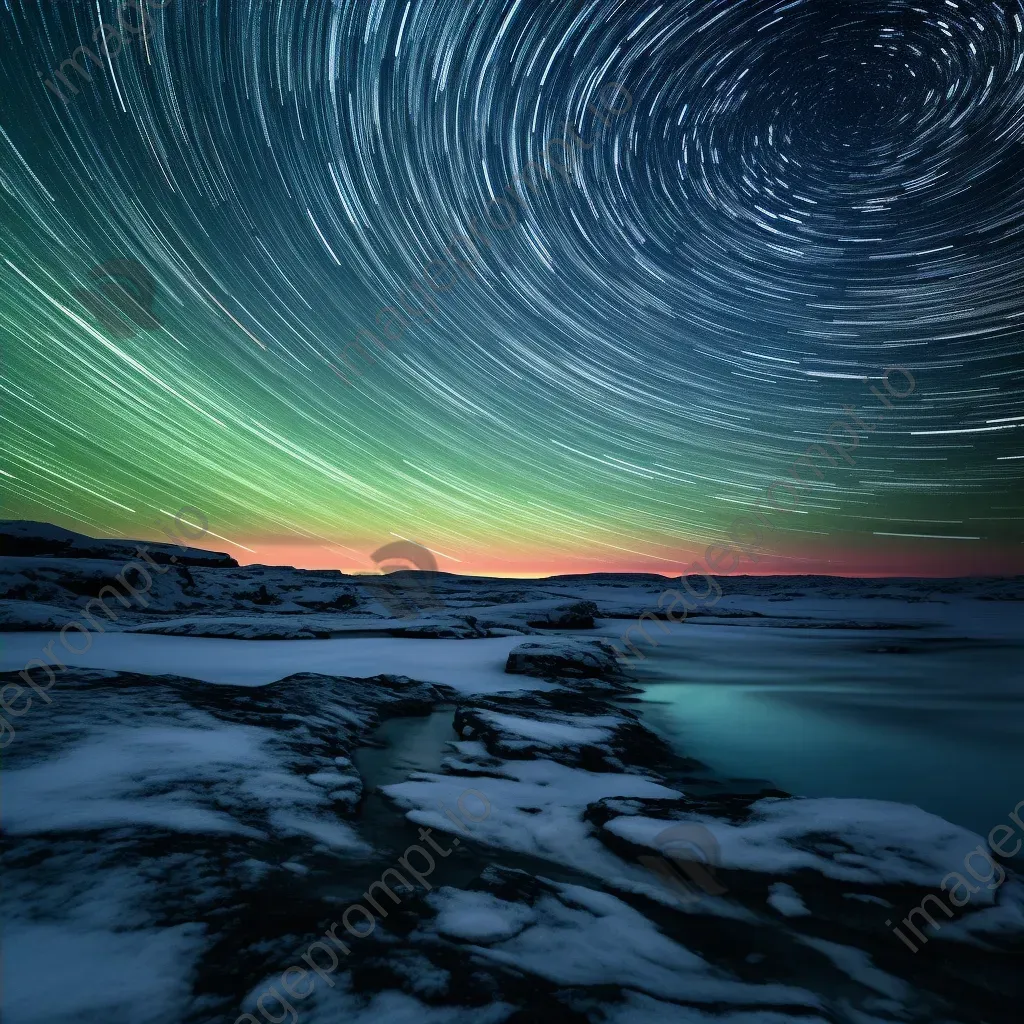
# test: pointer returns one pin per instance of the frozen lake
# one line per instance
(931, 720)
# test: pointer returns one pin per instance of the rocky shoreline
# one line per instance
(214, 831)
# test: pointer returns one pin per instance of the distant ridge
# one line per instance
(29, 539)
(609, 577)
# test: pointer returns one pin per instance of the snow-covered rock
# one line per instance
(866, 841)
(30, 616)
(578, 615)
(562, 726)
(565, 659)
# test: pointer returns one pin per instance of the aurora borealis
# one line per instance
(762, 207)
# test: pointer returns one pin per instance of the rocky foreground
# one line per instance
(173, 848)
(186, 850)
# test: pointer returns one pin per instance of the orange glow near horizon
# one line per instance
(881, 561)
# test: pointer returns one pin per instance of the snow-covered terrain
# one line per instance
(187, 825)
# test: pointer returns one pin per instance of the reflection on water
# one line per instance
(894, 716)
(404, 745)
(399, 747)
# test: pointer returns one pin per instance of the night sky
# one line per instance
(738, 215)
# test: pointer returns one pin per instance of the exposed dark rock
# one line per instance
(42, 540)
(564, 726)
(568, 659)
(578, 615)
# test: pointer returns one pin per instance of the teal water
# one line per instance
(928, 721)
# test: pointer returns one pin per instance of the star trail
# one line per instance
(543, 286)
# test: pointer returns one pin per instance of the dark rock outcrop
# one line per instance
(568, 659)
(22, 538)
(578, 615)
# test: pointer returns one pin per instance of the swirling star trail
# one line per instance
(773, 203)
